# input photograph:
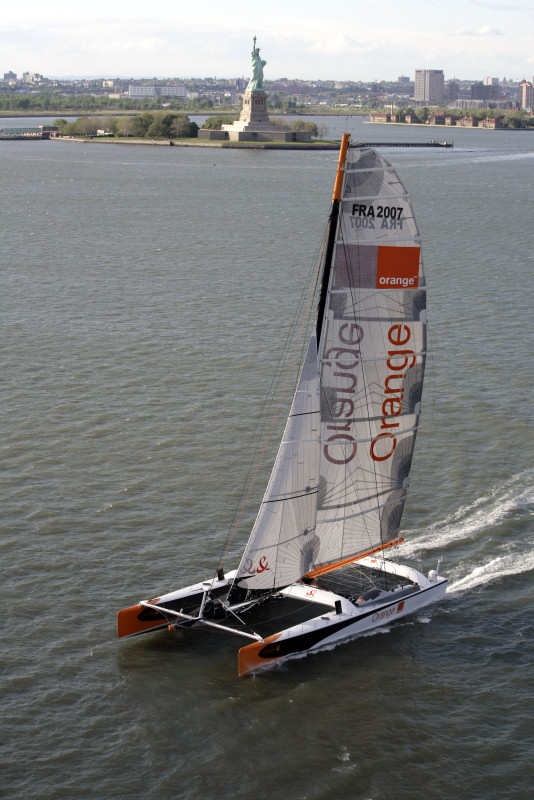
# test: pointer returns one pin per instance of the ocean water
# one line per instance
(146, 293)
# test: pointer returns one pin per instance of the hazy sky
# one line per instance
(307, 39)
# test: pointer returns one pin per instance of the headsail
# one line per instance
(277, 552)
(338, 486)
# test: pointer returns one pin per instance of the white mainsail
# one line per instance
(339, 482)
(372, 357)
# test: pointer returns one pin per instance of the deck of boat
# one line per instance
(278, 612)
(352, 581)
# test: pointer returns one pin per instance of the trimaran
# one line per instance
(337, 490)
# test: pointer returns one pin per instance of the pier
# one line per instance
(402, 144)
(24, 134)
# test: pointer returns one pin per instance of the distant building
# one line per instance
(490, 81)
(429, 86)
(403, 79)
(484, 91)
(382, 116)
(31, 77)
(526, 94)
(156, 91)
(451, 91)
(10, 77)
(467, 122)
(492, 122)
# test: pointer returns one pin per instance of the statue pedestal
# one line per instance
(254, 111)
(254, 124)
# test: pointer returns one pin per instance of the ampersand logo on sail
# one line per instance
(251, 569)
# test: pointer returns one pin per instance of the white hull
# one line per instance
(346, 620)
(339, 617)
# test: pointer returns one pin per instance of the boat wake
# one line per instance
(468, 159)
(495, 569)
(479, 526)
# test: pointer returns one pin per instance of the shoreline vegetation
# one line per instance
(162, 125)
(513, 119)
(175, 127)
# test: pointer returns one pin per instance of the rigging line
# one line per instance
(272, 392)
(263, 416)
(227, 608)
(296, 348)
(280, 369)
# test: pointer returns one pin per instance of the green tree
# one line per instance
(71, 129)
(141, 123)
(423, 114)
(60, 124)
(215, 123)
(183, 128)
(88, 126)
(157, 130)
(312, 128)
(300, 125)
(125, 126)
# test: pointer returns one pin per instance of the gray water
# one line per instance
(146, 294)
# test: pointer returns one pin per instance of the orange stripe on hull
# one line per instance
(249, 656)
(129, 623)
(315, 573)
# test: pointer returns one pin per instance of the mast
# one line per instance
(334, 214)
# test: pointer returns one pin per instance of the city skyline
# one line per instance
(465, 39)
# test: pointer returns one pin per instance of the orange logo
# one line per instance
(397, 268)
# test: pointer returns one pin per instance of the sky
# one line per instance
(305, 39)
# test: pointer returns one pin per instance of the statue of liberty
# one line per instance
(255, 83)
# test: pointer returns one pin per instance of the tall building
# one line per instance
(452, 91)
(484, 91)
(526, 94)
(429, 86)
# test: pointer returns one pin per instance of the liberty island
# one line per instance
(254, 124)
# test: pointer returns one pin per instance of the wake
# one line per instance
(476, 525)
(495, 569)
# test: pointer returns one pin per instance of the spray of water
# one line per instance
(475, 525)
